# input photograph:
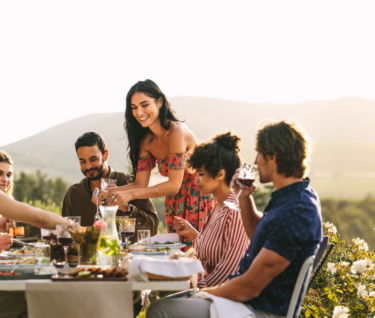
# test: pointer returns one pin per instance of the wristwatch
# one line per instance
(130, 208)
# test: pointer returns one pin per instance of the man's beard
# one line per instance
(98, 176)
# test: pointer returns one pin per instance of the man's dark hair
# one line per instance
(289, 143)
(90, 139)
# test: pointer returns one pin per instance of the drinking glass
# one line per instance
(46, 234)
(127, 229)
(64, 238)
(107, 183)
(41, 257)
(144, 237)
(119, 219)
(75, 219)
(245, 178)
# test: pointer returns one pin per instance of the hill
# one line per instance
(342, 132)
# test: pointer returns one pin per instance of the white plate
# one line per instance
(20, 269)
(171, 246)
(148, 253)
(18, 255)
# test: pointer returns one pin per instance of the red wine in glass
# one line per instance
(65, 241)
(246, 182)
(46, 238)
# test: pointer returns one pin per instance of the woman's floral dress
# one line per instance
(188, 203)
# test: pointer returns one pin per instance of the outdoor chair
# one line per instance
(300, 288)
(322, 258)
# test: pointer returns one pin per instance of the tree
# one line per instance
(37, 187)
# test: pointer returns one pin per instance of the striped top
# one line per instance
(222, 245)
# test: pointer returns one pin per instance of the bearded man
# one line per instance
(92, 155)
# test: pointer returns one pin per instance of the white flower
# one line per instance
(346, 264)
(362, 245)
(361, 291)
(331, 268)
(362, 265)
(340, 312)
(330, 228)
(372, 294)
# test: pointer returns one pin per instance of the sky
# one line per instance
(62, 60)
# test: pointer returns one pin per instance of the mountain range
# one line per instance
(342, 133)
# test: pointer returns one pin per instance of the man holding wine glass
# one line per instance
(92, 155)
(282, 237)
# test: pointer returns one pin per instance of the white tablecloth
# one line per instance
(79, 299)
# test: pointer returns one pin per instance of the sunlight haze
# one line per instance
(60, 61)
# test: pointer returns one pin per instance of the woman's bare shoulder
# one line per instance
(181, 131)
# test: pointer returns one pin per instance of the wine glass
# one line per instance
(64, 238)
(127, 229)
(46, 234)
(97, 215)
(75, 219)
(107, 183)
(245, 178)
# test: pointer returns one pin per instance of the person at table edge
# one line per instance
(92, 155)
(6, 186)
(282, 238)
(13, 304)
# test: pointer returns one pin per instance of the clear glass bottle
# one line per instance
(108, 246)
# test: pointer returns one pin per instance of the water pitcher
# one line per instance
(108, 243)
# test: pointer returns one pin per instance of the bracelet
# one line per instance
(157, 194)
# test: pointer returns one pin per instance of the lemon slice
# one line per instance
(84, 273)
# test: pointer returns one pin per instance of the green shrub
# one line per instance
(345, 281)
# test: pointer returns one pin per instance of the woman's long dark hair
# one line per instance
(134, 130)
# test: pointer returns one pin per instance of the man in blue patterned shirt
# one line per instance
(282, 238)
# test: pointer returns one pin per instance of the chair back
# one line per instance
(300, 288)
(321, 251)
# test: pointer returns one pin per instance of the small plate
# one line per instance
(148, 253)
(19, 255)
(171, 246)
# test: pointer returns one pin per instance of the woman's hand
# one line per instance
(99, 199)
(120, 198)
(6, 241)
(246, 191)
(3, 222)
(184, 228)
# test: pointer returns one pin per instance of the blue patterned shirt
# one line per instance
(291, 227)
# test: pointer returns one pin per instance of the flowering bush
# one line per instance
(345, 284)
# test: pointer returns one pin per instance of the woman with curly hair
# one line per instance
(222, 242)
(156, 136)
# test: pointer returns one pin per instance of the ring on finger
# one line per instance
(115, 200)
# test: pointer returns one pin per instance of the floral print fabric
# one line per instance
(188, 203)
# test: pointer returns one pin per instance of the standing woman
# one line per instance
(156, 136)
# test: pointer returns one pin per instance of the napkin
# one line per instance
(79, 299)
(224, 308)
(166, 237)
(183, 267)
